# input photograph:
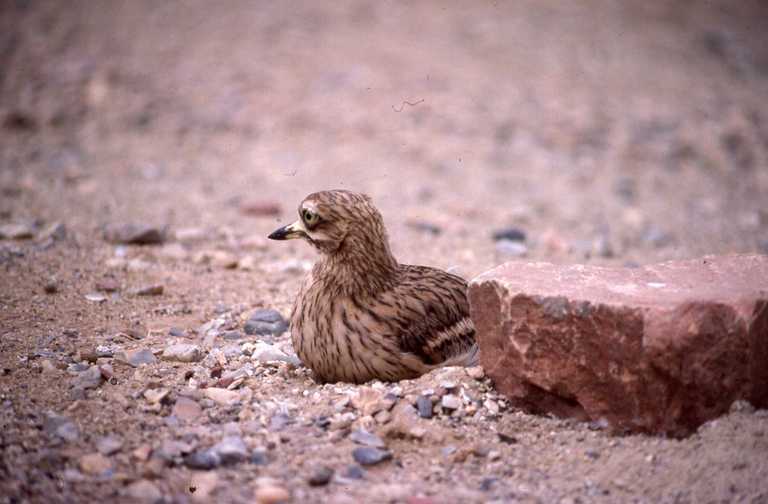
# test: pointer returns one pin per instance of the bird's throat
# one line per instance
(358, 268)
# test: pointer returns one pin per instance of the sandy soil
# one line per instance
(609, 132)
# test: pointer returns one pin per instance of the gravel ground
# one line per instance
(603, 132)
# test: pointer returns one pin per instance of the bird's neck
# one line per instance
(362, 265)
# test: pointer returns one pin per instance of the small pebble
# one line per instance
(367, 439)
(177, 332)
(487, 484)
(232, 335)
(95, 298)
(509, 234)
(450, 402)
(17, 231)
(51, 287)
(136, 357)
(182, 352)
(320, 476)
(222, 396)
(95, 464)
(143, 491)
(355, 472)
(150, 290)
(742, 406)
(88, 379)
(424, 405)
(259, 457)
(230, 450)
(272, 494)
(107, 285)
(202, 459)
(109, 445)
(156, 396)
(186, 409)
(134, 234)
(367, 455)
(62, 427)
(512, 248)
(260, 208)
(266, 322)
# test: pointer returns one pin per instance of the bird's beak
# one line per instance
(289, 232)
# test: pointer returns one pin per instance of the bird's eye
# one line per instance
(309, 217)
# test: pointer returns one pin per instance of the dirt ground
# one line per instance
(608, 132)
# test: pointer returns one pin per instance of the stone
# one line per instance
(174, 252)
(280, 421)
(186, 409)
(156, 396)
(51, 286)
(95, 464)
(660, 349)
(424, 406)
(354, 472)
(88, 379)
(107, 285)
(232, 335)
(170, 449)
(143, 491)
(260, 208)
(109, 445)
(368, 455)
(509, 234)
(134, 234)
(222, 396)
(450, 402)
(54, 231)
(142, 452)
(136, 357)
(365, 438)
(259, 457)
(272, 494)
(95, 297)
(320, 476)
(202, 459)
(48, 366)
(150, 290)
(511, 248)
(406, 423)
(191, 235)
(476, 372)
(61, 426)
(264, 352)
(217, 258)
(266, 322)
(17, 231)
(182, 352)
(369, 401)
(231, 450)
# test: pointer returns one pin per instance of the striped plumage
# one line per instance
(359, 314)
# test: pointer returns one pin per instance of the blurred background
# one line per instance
(603, 131)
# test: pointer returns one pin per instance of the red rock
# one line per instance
(661, 348)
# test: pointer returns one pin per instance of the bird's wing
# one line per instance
(428, 314)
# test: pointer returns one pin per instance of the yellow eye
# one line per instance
(309, 217)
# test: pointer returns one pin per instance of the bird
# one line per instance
(359, 314)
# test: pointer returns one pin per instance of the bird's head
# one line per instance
(335, 220)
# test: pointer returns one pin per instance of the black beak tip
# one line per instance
(277, 234)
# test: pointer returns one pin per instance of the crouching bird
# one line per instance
(359, 314)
